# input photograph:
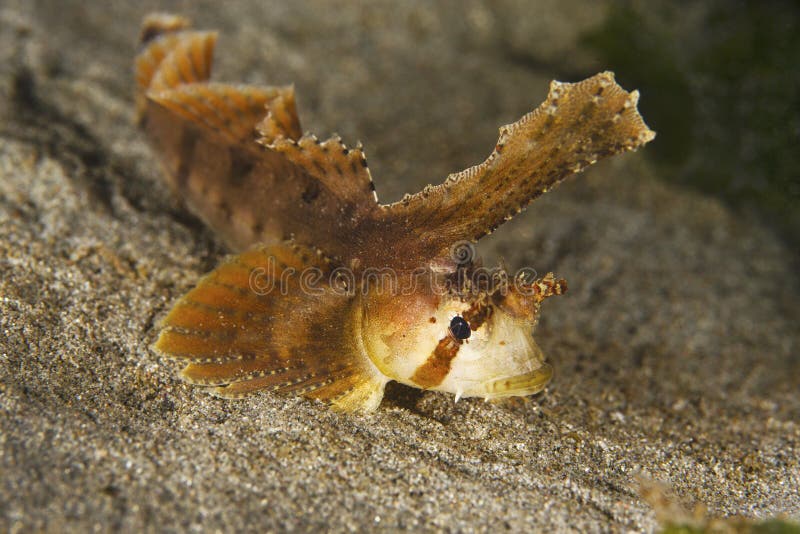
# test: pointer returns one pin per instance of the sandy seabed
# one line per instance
(675, 348)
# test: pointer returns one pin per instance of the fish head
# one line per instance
(472, 340)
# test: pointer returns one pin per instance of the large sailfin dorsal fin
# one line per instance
(578, 124)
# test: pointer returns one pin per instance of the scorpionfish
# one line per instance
(332, 294)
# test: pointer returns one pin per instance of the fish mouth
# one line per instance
(520, 385)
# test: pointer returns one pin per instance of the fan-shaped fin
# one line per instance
(230, 110)
(269, 319)
(578, 124)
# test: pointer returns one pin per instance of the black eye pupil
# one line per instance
(460, 328)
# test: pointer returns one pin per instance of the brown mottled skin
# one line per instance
(236, 157)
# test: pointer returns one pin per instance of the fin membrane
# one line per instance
(173, 68)
(343, 170)
(189, 61)
(281, 119)
(171, 58)
(269, 320)
(578, 124)
(231, 110)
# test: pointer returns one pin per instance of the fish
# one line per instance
(330, 294)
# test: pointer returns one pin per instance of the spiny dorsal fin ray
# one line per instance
(343, 170)
(255, 323)
(281, 119)
(231, 110)
(578, 124)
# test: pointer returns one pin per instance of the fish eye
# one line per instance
(459, 328)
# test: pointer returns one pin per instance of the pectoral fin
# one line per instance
(269, 319)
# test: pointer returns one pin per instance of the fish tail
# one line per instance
(170, 55)
(204, 133)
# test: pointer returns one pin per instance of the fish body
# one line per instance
(332, 294)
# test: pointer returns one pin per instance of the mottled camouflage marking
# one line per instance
(237, 157)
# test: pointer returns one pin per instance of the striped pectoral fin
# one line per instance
(256, 324)
(346, 390)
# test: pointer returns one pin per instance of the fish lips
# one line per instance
(520, 385)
